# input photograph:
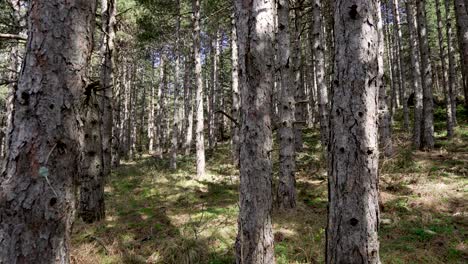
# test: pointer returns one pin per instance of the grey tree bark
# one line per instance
(38, 181)
(108, 17)
(427, 140)
(199, 137)
(235, 93)
(451, 62)
(286, 195)
(296, 64)
(152, 109)
(255, 28)
(353, 215)
(416, 70)
(91, 207)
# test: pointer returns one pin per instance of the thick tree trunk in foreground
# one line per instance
(461, 11)
(416, 70)
(37, 191)
(286, 196)
(255, 28)
(353, 215)
(199, 137)
(427, 136)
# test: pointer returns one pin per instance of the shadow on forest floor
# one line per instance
(155, 215)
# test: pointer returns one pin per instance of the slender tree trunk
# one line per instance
(255, 25)
(160, 106)
(108, 17)
(443, 63)
(353, 215)
(189, 106)
(451, 63)
(394, 102)
(37, 201)
(296, 63)
(199, 137)
(427, 141)
(286, 196)
(319, 59)
(461, 7)
(384, 119)
(235, 93)
(151, 114)
(117, 115)
(91, 207)
(416, 70)
(177, 109)
(400, 61)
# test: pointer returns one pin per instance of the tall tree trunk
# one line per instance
(461, 11)
(400, 61)
(37, 201)
(108, 18)
(235, 93)
(286, 196)
(177, 109)
(151, 114)
(451, 63)
(353, 215)
(199, 137)
(296, 63)
(189, 106)
(255, 28)
(443, 63)
(91, 207)
(427, 141)
(319, 61)
(160, 106)
(416, 70)
(384, 118)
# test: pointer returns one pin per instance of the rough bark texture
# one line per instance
(353, 215)
(91, 207)
(235, 93)
(37, 191)
(199, 137)
(319, 61)
(108, 18)
(255, 28)
(461, 11)
(427, 140)
(286, 196)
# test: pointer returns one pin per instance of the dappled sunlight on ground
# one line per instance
(155, 215)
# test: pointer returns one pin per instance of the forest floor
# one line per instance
(155, 215)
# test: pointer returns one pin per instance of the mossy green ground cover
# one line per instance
(155, 215)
